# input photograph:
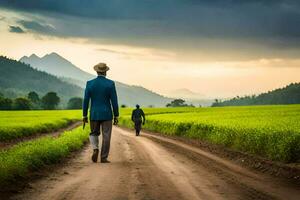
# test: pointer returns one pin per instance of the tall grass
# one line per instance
(29, 156)
(17, 124)
(269, 131)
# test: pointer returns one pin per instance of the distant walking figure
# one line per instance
(138, 117)
(104, 107)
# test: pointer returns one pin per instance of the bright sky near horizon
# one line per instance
(210, 47)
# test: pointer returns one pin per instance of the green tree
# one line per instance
(75, 103)
(50, 101)
(21, 104)
(5, 103)
(216, 103)
(33, 97)
(177, 103)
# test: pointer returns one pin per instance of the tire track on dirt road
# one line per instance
(155, 168)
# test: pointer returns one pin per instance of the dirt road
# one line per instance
(157, 168)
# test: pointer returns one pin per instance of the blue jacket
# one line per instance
(102, 93)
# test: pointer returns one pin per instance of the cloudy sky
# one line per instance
(219, 48)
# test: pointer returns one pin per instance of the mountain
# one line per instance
(17, 78)
(184, 93)
(289, 94)
(190, 97)
(128, 95)
(132, 95)
(56, 65)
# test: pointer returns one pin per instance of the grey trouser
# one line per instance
(106, 127)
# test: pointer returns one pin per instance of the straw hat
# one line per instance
(101, 67)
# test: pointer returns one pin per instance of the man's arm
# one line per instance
(143, 115)
(132, 116)
(114, 101)
(86, 100)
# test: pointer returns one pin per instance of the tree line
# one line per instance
(287, 95)
(33, 101)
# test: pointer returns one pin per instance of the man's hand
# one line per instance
(85, 120)
(116, 121)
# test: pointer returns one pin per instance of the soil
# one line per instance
(252, 162)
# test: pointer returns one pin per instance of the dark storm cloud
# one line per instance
(209, 18)
(104, 9)
(16, 29)
(139, 9)
(174, 24)
(37, 27)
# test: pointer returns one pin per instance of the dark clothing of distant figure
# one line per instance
(138, 117)
(104, 105)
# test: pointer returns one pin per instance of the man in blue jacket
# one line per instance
(104, 108)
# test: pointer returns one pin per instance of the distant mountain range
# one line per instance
(190, 97)
(43, 74)
(289, 94)
(129, 95)
(184, 93)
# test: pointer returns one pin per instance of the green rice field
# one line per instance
(272, 132)
(269, 131)
(16, 124)
(29, 156)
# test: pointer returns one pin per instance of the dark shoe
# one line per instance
(105, 160)
(95, 155)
